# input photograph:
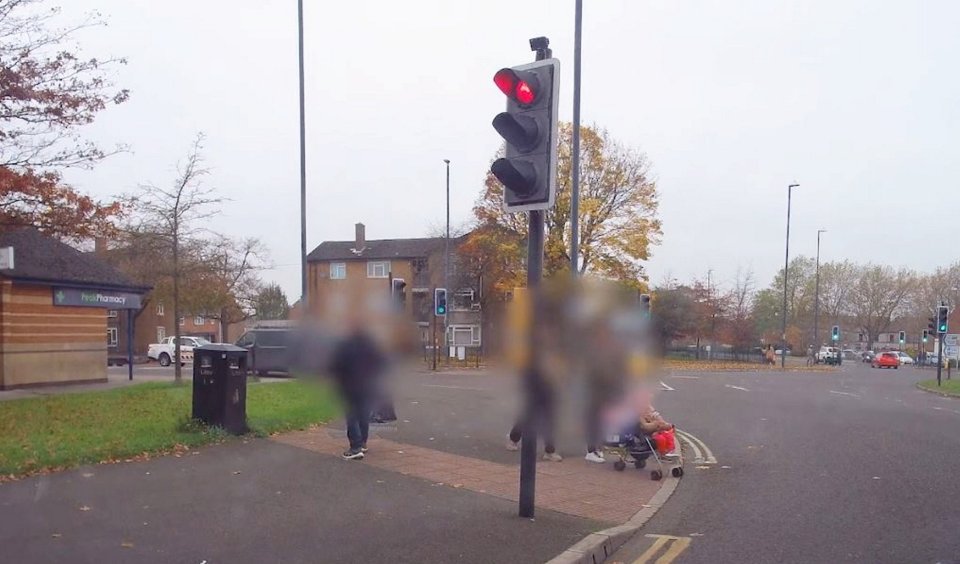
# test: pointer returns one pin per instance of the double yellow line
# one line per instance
(674, 545)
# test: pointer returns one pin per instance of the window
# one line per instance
(199, 320)
(462, 300)
(111, 336)
(378, 268)
(464, 335)
(112, 313)
(181, 321)
(338, 270)
(161, 334)
(159, 308)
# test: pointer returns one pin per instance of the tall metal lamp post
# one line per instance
(816, 298)
(786, 267)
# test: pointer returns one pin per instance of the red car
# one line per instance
(886, 360)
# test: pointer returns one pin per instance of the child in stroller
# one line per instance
(636, 432)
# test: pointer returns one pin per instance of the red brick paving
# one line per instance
(574, 486)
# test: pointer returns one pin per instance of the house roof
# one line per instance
(43, 259)
(377, 249)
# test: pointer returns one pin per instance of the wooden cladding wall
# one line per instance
(42, 344)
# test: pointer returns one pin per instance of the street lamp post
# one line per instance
(446, 264)
(786, 267)
(816, 299)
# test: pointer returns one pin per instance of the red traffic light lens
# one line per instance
(505, 79)
(515, 87)
(525, 94)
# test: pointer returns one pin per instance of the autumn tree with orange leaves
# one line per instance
(47, 92)
(618, 217)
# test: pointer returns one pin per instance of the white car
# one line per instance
(163, 352)
(905, 358)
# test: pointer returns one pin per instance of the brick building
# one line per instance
(341, 273)
(54, 304)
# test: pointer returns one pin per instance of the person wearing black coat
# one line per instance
(356, 367)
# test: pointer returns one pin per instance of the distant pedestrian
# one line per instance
(357, 364)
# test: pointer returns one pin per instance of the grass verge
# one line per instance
(948, 387)
(57, 432)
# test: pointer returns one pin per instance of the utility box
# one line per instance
(220, 386)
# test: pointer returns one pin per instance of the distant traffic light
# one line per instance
(903, 337)
(926, 335)
(835, 333)
(942, 313)
(398, 290)
(528, 168)
(440, 302)
(645, 305)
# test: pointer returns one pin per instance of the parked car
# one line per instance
(905, 358)
(268, 349)
(867, 356)
(164, 351)
(827, 355)
(886, 360)
(850, 354)
(779, 352)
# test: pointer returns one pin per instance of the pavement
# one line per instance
(850, 465)
(438, 486)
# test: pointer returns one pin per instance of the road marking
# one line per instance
(685, 377)
(703, 454)
(736, 387)
(666, 387)
(454, 387)
(845, 394)
(655, 548)
(675, 546)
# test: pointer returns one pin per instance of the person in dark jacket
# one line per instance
(356, 366)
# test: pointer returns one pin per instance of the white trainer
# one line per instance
(594, 457)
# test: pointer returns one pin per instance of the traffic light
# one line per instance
(942, 319)
(398, 291)
(926, 335)
(835, 333)
(932, 326)
(645, 306)
(903, 337)
(528, 168)
(440, 302)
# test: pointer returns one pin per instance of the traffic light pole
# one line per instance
(532, 377)
(939, 355)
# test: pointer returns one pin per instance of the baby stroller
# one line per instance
(632, 445)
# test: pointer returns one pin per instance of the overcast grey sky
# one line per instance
(855, 100)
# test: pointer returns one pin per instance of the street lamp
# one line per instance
(786, 267)
(446, 259)
(816, 299)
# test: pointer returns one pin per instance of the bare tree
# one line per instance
(174, 215)
(879, 296)
(228, 280)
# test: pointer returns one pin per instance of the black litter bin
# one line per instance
(220, 386)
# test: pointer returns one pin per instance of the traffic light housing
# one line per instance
(942, 313)
(398, 291)
(926, 335)
(528, 168)
(903, 337)
(645, 306)
(835, 333)
(932, 326)
(440, 302)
